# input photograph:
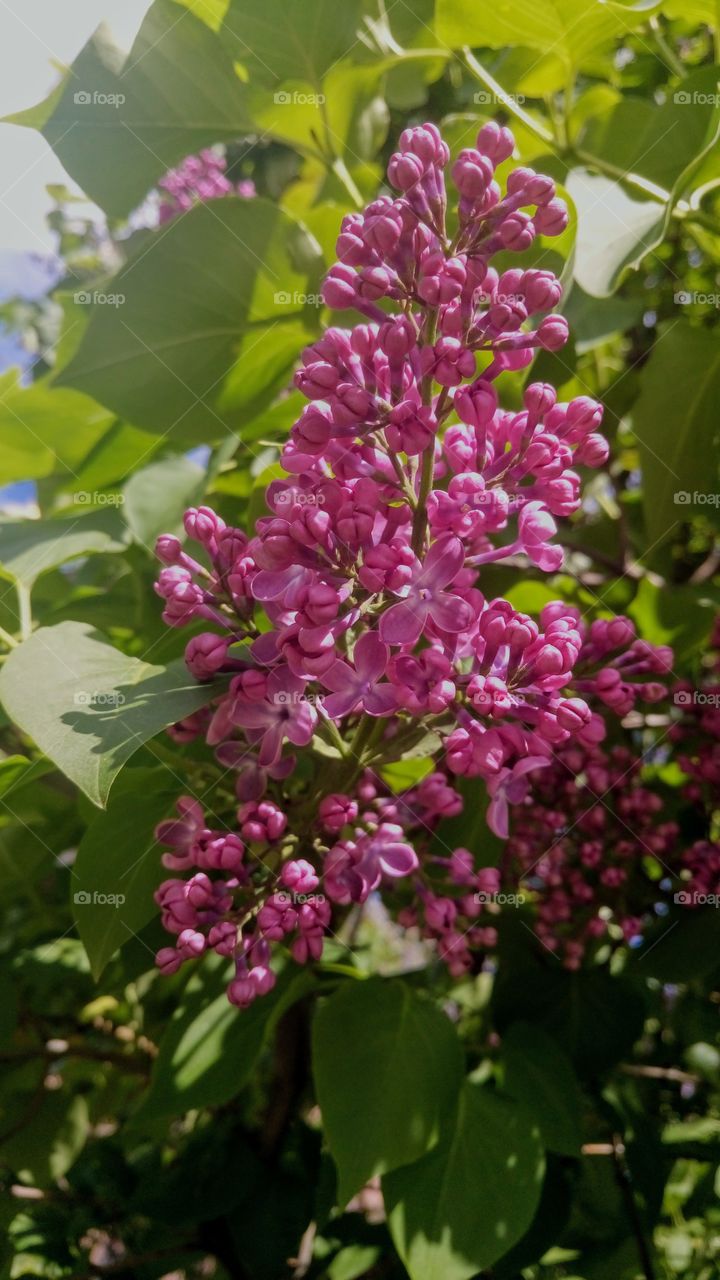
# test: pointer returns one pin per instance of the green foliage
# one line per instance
(90, 707)
(438, 1229)
(196, 353)
(526, 1122)
(387, 1068)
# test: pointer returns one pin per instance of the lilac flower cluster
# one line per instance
(197, 179)
(352, 622)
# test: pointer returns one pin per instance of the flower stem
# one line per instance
(23, 595)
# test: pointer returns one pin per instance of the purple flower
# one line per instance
(182, 834)
(425, 598)
(284, 712)
(352, 871)
(359, 684)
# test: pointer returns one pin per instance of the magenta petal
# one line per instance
(380, 701)
(398, 859)
(173, 832)
(222, 722)
(442, 562)
(340, 677)
(497, 816)
(515, 786)
(403, 623)
(340, 704)
(370, 657)
(269, 584)
(301, 728)
(451, 613)
(264, 650)
(271, 745)
(253, 715)
(282, 680)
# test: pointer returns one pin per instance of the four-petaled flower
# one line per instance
(425, 598)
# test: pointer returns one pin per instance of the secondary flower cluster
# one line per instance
(198, 178)
(352, 622)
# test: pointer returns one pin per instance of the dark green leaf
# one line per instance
(387, 1068)
(465, 1204)
(211, 1048)
(675, 420)
(539, 1075)
(118, 863)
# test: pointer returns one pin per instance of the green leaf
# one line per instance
(12, 771)
(211, 12)
(225, 282)
(399, 1061)
(615, 232)
(656, 142)
(279, 40)
(88, 706)
(465, 1204)
(350, 111)
(118, 865)
(157, 496)
(114, 457)
(675, 421)
(539, 1076)
(31, 547)
(44, 429)
(682, 618)
(570, 30)
(210, 1048)
(594, 1017)
(117, 125)
(595, 320)
(51, 1139)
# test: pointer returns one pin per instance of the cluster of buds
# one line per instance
(351, 622)
(197, 179)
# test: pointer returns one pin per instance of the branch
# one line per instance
(624, 1181)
